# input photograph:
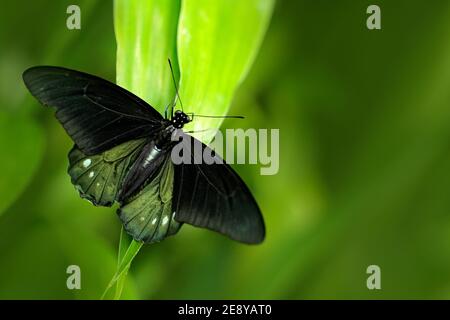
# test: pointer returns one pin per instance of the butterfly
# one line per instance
(122, 153)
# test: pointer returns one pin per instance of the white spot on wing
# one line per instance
(142, 218)
(154, 221)
(165, 220)
(87, 163)
(91, 174)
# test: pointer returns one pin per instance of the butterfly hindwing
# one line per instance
(97, 114)
(98, 178)
(148, 216)
(213, 196)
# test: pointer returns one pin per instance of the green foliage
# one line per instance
(364, 165)
(128, 249)
(217, 43)
(19, 160)
(145, 34)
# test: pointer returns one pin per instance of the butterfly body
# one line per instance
(146, 165)
(122, 154)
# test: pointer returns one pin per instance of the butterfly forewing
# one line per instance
(98, 178)
(213, 196)
(97, 114)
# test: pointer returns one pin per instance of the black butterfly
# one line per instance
(122, 153)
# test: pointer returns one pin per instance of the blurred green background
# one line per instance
(364, 178)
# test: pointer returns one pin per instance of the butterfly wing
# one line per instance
(148, 216)
(213, 196)
(97, 114)
(98, 178)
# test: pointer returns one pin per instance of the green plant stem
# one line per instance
(124, 242)
(125, 257)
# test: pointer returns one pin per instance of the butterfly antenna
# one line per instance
(175, 85)
(204, 116)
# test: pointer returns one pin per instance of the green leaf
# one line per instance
(146, 38)
(123, 267)
(124, 243)
(21, 145)
(217, 43)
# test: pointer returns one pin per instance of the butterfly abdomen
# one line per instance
(144, 168)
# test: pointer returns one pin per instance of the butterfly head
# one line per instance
(179, 119)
